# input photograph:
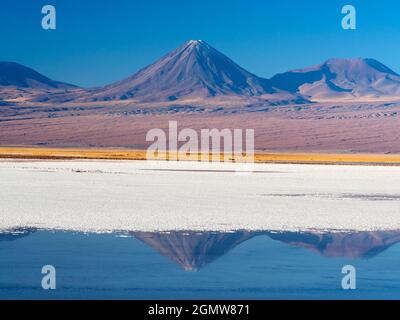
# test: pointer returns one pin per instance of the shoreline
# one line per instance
(40, 153)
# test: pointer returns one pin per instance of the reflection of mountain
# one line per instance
(194, 250)
(15, 234)
(349, 245)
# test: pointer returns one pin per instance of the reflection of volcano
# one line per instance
(193, 250)
(15, 234)
(349, 245)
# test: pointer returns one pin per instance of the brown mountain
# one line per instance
(18, 81)
(194, 70)
(342, 79)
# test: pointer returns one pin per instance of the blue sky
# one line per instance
(101, 41)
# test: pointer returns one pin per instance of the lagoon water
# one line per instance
(208, 265)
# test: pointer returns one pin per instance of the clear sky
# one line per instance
(100, 41)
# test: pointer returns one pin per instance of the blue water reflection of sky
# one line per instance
(107, 266)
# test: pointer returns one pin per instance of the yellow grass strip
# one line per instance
(122, 154)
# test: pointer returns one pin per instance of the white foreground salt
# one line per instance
(103, 196)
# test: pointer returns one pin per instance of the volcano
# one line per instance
(17, 75)
(194, 70)
(19, 81)
(336, 79)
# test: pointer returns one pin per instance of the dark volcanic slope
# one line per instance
(342, 78)
(193, 70)
(25, 84)
(17, 75)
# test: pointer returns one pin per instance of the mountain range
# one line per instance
(341, 78)
(196, 70)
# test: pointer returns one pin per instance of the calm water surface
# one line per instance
(190, 265)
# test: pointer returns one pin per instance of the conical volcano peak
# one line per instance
(193, 70)
(197, 44)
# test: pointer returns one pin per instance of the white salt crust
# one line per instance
(106, 196)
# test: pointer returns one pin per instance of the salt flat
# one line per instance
(104, 196)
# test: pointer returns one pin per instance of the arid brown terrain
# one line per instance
(334, 128)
